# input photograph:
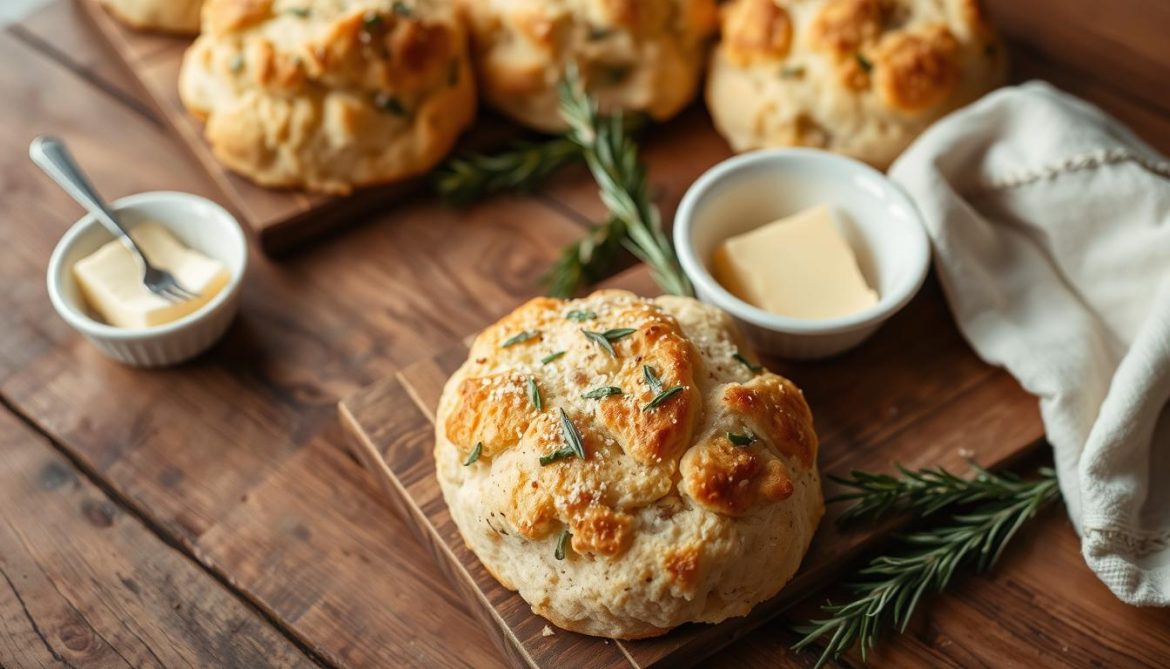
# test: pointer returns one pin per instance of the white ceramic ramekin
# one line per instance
(878, 219)
(198, 223)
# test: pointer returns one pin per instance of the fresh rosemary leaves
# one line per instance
(534, 395)
(562, 544)
(519, 337)
(581, 315)
(573, 445)
(470, 177)
(652, 379)
(551, 356)
(662, 397)
(602, 392)
(607, 146)
(474, 454)
(747, 363)
(984, 514)
(612, 157)
(741, 440)
(605, 339)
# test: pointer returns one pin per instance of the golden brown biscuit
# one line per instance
(698, 492)
(638, 55)
(859, 77)
(330, 94)
(172, 16)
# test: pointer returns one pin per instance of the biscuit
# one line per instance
(859, 77)
(698, 493)
(328, 95)
(171, 16)
(635, 55)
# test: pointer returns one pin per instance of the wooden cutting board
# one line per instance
(281, 218)
(914, 394)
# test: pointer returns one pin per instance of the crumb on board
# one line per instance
(547, 631)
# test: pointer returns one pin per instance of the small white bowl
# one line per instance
(198, 223)
(879, 221)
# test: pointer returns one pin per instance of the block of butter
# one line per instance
(800, 266)
(111, 280)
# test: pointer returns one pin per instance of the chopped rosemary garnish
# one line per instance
(562, 453)
(581, 315)
(792, 71)
(572, 447)
(402, 9)
(741, 439)
(662, 397)
(984, 515)
(519, 337)
(236, 64)
(550, 357)
(603, 391)
(747, 363)
(652, 379)
(571, 435)
(300, 12)
(474, 455)
(562, 543)
(864, 62)
(605, 339)
(534, 394)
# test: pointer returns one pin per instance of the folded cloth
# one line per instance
(1051, 230)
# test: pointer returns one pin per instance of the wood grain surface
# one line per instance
(84, 583)
(914, 394)
(235, 462)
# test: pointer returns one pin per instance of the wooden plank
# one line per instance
(1122, 42)
(84, 583)
(930, 403)
(281, 218)
(239, 449)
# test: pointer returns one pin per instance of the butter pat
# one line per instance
(800, 266)
(111, 280)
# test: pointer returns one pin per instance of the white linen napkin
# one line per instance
(1051, 230)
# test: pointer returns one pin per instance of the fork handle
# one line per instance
(51, 155)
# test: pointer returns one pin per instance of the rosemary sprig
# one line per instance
(470, 177)
(612, 157)
(985, 514)
(587, 260)
(551, 356)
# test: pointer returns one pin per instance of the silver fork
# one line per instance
(50, 154)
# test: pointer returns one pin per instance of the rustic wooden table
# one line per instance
(210, 515)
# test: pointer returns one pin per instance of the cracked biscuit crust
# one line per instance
(633, 55)
(329, 95)
(697, 495)
(859, 77)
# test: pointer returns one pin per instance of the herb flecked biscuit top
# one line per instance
(625, 465)
(172, 16)
(638, 55)
(330, 94)
(859, 77)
